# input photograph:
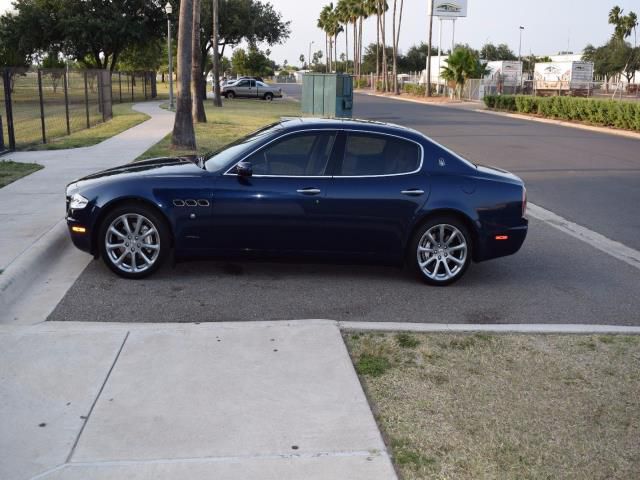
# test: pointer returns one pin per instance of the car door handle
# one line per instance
(413, 192)
(309, 191)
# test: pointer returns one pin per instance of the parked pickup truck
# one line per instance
(250, 89)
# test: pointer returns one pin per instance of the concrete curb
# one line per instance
(31, 263)
(621, 133)
(539, 328)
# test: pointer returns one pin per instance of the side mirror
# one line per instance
(244, 169)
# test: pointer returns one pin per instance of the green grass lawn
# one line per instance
(504, 406)
(236, 118)
(12, 171)
(124, 117)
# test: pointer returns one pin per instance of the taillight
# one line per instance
(524, 202)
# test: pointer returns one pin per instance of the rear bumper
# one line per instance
(494, 244)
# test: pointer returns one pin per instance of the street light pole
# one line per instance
(169, 10)
(309, 57)
(520, 44)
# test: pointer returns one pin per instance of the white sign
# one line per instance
(449, 8)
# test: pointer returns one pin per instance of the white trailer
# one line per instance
(563, 78)
(504, 76)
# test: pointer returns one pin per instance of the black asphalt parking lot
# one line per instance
(589, 178)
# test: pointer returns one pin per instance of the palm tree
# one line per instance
(323, 24)
(462, 65)
(183, 135)
(381, 7)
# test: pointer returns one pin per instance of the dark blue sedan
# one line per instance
(335, 189)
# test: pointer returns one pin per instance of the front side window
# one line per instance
(295, 155)
(370, 154)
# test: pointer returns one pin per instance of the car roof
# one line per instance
(304, 123)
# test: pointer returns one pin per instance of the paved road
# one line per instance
(553, 279)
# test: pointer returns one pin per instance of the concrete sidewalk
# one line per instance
(33, 234)
(250, 400)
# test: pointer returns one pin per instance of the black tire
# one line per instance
(268, 96)
(231, 94)
(160, 240)
(450, 257)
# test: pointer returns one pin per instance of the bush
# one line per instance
(361, 83)
(414, 89)
(609, 113)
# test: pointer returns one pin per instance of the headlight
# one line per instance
(78, 202)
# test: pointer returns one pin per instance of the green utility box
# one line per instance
(327, 95)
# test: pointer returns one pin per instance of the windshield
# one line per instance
(220, 158)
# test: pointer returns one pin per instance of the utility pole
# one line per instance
(520, 44)
(217, 101)
(428, 79)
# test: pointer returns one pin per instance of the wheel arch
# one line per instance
(449, 212)
(112, 205)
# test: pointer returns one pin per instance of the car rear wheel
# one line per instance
(134, 241)
(231, 94)
(268, 96)
(440, 251)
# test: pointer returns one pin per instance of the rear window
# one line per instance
(370, 154)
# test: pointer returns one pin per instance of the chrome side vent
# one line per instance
(203, 203)
(178, 203)
(191, 203)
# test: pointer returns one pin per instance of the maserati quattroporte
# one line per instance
(335, 189)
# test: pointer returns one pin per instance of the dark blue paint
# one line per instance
(350, 217)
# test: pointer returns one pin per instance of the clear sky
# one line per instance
(550, 25)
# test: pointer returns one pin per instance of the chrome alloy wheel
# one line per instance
(132, 243)
(442, 252)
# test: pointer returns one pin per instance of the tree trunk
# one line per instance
(183, 134)
(346, 47)
(394, 46)
(396, 42)
(377, 43)
(355, 46)
(360, 49)
(217, 97)
(385, 73)
(199, 116)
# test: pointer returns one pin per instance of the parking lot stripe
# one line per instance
(617, 250)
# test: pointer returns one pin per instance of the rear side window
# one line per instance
(370, 154)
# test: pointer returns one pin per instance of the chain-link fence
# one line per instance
(38, 105)
(133, 87)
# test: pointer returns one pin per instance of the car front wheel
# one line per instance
(231, 94)
(134, 241)
(441, 251)
(268, 96)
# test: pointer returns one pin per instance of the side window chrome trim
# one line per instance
(337, 130)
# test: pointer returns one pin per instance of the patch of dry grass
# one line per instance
(505, 406)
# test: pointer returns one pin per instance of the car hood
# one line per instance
(165, 166)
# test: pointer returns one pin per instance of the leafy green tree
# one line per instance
(150, 56)
(252, 62)
(416, 57)
(491, 52)
(94, 32)
(462, 65)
